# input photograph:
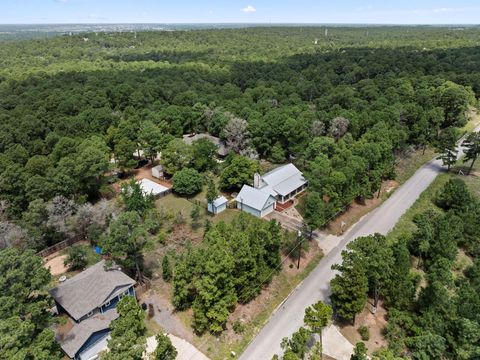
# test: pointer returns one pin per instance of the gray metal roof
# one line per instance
(283, 180)
(72, 341)
(220, 201)
(222, 149)
(90, 289)
(255, 198)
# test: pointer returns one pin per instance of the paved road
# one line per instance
(289, 316)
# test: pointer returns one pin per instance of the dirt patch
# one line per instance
(356, 210)
(55, 264)
(144, 172)
(290, 265)
(375, 324)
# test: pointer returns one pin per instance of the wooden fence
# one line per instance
(58, 246)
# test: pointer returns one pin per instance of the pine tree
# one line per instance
(349, 288)
(447, 147)
(165, 349)
(317, 318)
(472, 149)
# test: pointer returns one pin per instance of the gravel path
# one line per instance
(165, 317)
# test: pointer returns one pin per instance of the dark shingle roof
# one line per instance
(72, 342)
(90, 289)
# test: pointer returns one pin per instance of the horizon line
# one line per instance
(245, 23)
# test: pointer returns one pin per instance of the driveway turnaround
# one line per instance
(289, 316)
(185, 350)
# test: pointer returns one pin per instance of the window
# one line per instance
(90, 314)
(107, 303)
(126, 292)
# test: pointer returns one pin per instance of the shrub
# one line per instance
(77, 258)
(166, 268)
(364, 332)
(238, 327)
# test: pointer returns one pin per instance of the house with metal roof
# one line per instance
(87, 301)
(277, 186)
(284, 182)
(222, 148)
(255, 201)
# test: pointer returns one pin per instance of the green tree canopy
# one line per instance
(24, 309)
(126, 242)
(472, 149)
(447, 147)
(135, 199)
(164, 350)
(239, 171)
(187, 182)
(127, 333)
(176, 156)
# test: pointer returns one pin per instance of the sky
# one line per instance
(240, 11)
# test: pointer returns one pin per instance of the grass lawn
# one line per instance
(473, 122)
(175, 203)
(425, 202)
(222, 346)
(407, 167)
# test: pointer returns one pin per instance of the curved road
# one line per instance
(289, 316)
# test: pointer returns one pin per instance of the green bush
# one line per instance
(238, 327)
(166, 269)
(187, 182)
(364, 332)
(76, 258)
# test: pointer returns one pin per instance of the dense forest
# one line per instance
(339, 104)
(432, 306)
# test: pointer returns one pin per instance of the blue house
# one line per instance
(218, 205)
(277, 186)
(255, 202)
(88, 302)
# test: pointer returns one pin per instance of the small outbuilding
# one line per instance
(151, 187)
(157, 171)
(218, 205)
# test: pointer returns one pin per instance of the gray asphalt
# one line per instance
(289, 316)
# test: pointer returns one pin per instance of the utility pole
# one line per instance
(300, 238)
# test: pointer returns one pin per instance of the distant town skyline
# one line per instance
(235, 11)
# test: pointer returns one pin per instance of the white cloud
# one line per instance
(249, 9)
(443, 10)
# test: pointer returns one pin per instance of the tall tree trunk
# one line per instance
(139, 273)
(354, 317)
(424, 148)
(471, 165)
